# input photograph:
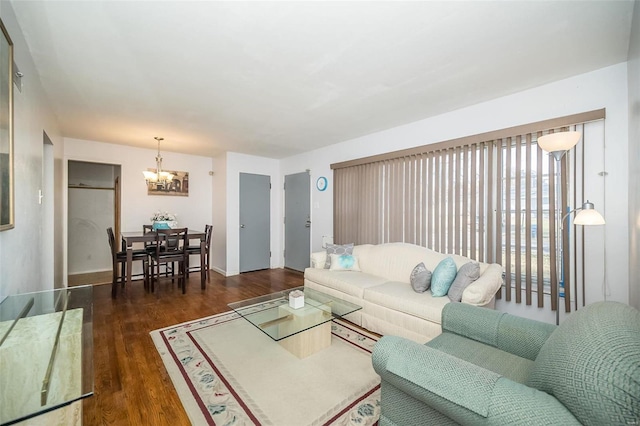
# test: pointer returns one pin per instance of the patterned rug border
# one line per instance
(193, 374)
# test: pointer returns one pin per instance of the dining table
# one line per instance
(129, 238)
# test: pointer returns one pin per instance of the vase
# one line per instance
(164, 224)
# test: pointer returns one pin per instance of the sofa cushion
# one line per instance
(468, 273)
(401, 297)
(420, 278)
(395, 261)
(486, 356)
(591, 364)
(337, 249)
(348, 282)
(443, 277)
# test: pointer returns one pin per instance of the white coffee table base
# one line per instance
(309, 341)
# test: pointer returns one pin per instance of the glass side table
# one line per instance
(46, 352)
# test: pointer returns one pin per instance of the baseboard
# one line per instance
(98, 277)
(220, 271)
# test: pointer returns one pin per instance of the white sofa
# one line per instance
(383, 289)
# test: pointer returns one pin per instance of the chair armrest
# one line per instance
(519, 336)
(481, 291)
(460, 390)
(318, 259)
(433, 377)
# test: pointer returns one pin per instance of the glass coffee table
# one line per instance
(303, 331)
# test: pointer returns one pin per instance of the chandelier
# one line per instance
(159, 178)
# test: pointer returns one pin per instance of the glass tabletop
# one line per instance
(46, 348)
(272, 314)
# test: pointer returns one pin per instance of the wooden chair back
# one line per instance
(176, 239)
(148, 245)
(208, 231)
(112, 242)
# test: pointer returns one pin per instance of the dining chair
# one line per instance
(171, 247)
(150, 247)
(119, 258)
(195, 250)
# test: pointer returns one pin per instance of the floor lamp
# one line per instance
(558, 144)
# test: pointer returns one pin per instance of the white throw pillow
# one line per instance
(344, 262)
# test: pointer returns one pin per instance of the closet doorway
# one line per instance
(93, 206)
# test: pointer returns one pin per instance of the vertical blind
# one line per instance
(492, 200)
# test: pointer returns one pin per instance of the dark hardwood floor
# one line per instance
(132, 386)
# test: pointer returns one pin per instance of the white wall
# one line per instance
(219, 201)
(48, 243)
(240, 163)
(605, 88)
(633, 67)
(22, 247)
(194, 211)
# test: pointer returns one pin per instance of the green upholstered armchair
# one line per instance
(493, 368)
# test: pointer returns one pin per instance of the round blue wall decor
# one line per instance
(321, 183)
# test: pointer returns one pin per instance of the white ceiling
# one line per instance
(278, 78)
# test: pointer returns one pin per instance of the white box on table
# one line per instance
(296, 299)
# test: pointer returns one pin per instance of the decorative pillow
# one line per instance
(337, 249)
(420, 278)
(443, 277)
(468, 273)
(344, 262)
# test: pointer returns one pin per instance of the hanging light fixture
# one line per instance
(160, 178)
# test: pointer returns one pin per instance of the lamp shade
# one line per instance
(561, 141)
(166, 176)
(150, 176)
(588, 217)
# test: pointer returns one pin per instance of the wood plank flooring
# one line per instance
(131, 385)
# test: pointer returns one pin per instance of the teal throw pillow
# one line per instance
(337, 249)
(443, 277)
(344, 262)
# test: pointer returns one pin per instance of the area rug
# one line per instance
(227, 372)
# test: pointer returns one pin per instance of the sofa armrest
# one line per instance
(460, 390)
(481, 291)
(519, 336)
(318, 259)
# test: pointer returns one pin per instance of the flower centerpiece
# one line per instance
(164, 220)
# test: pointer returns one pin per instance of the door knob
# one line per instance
(308, 224)
(242, 226)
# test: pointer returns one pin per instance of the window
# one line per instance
(489, 199)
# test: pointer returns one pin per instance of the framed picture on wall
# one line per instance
(177, 186)
(6, 131)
